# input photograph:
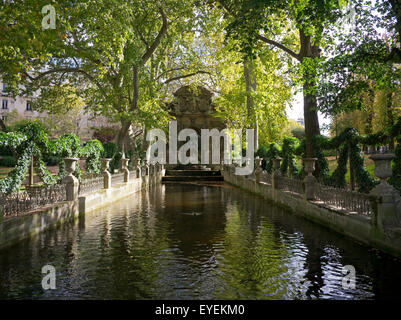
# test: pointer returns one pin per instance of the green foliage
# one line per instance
(349, 141)
(268, 154)
(395, 180)
(32, 141)
(92, 150)
(112, 152)
(15, 178)
(7, 161)
(289, 164)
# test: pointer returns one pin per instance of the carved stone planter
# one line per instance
(310, 180)
(388, 215)
(106, 173)
(70, 180)
(276, 172)
(258, 168)
(138, 168)
(383, 165)
(124, 167)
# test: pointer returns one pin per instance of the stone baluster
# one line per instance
(276, 173)
(147, 166)
(106, 173)
(384, 196)
(71, 182)
(124, 167)
(310, 182)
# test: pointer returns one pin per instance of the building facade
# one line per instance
(86, 123)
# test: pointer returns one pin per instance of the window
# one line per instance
(28, 106)
(4, 87)
(4, 105)
(3, 118)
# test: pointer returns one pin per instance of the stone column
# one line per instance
(258, 168)
(276, 173)
(124, 167)
(71, 182)
(385, 195)
(106, 173)
(310, 182)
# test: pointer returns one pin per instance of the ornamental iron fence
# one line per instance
(343, 199)
(32, 198)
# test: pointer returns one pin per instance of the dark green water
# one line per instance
(195, 242)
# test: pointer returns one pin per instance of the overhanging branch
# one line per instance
(185, 76)
(280, 46)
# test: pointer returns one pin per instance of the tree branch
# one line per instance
(158, 39)
(185, 76)
(280, 46)
(65, 70)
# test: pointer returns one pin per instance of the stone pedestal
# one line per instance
(106, 173)
(310, 182)
(385, 195)
(276, 173)
(124, 167)
(71, 182)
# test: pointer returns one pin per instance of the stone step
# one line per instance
(192, 173)
(192, 178)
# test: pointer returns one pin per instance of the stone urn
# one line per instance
(70, 180)
(124, 167)
(384, 197)
(383, 165)
(105, 163)
(70, 165)
(309, 183)
(276, 164)
(309, 164)
(258, 168)
(106, 173)
(138, 168)
(276, 172)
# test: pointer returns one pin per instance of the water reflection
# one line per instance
(190, 242)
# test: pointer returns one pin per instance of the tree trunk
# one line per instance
(312, 128)
(123, 134)
(3, 126)
(251, 85)
(390, 116)
(311, 120)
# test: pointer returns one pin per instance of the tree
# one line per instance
(270, 22)
(120, 62)
(364, 60)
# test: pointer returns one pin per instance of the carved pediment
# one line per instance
(192, 100)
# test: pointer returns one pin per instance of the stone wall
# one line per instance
(15, 229)
(359, 227)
